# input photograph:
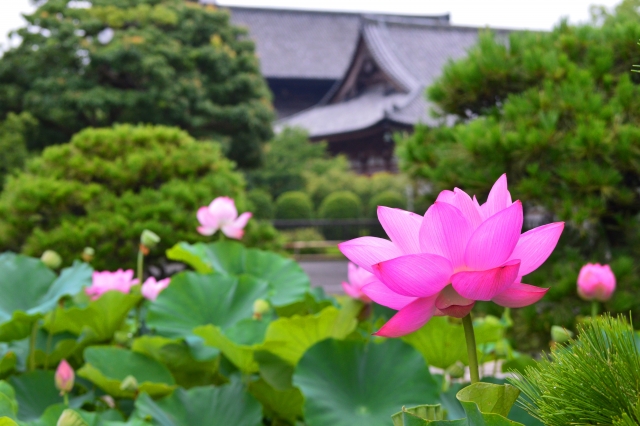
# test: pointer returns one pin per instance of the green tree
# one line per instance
(559, 112)
(286, 158)
(107, 185)
(165, 62)
(13, 145)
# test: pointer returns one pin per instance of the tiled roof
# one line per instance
(413, 55)
(308, 44)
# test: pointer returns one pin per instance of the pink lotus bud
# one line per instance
(596, 282)
(222, 214)
(64, 377)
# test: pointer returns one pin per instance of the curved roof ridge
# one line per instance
(378, 39)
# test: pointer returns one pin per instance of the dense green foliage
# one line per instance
(294, 205)
(107, 185)
(167, 62)
(13, 145)
(341, 205)
(559, 112)
(388, 199)
(286, 158)
(591, 380)
(261, 204)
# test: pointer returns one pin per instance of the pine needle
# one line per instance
(594, 379)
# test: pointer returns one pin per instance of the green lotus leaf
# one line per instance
(108, 367)
(76, 417)
(35, 391)
(279, 404)
(288, 283)
(29, 289)
(176, 355)
(195, 299)
(287, 338)
(95, 322)
(8, 402)
(485, 404)
(442, 342)
(355, 383)
(208, 405)
(58, 347)
(274, 370)
(6, 421)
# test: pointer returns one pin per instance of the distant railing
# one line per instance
(335, 229)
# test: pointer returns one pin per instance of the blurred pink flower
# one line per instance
(64, 377)
(458, 253)
(120, 280)
(358, 278)
(222, 214)
(152, 288)
(596, 282)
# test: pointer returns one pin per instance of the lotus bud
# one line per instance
(129, 384)
(560, 334)
(70, 418)
(108, 400)
(596, 282)
(51, 259)
(88, 253)
(149, 239)
(64, 377)
(456, 370)
(260, 307)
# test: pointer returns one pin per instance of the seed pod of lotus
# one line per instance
(51, 259)
(149, 239)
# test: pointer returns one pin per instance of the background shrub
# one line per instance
(340, 205)
(107, 185)
(294, 205)
(387, 199)
(261, 204)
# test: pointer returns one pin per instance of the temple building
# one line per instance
(353, 79)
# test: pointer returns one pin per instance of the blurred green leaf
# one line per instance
(195, 299)
(212, 406)
(354, 383)
(108, 367)
(28, 290)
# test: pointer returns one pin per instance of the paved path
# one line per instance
(327, 274)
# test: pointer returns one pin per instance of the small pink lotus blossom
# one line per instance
(222, 214)
(458, 253)
(152, 288)
(64, 377)
(120, 280)
(358, 278)
(596, 282)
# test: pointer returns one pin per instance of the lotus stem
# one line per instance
(32, 346)
(595, 309)
(50, 339)
(140, 265)
(471, 348)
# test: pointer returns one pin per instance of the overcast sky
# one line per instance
(537, 14)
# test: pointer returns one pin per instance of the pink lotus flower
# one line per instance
(358, 278)
(458, 253)
(64, 377)
(120, 280)
(222, 214)
(152, 288)
(596, 282)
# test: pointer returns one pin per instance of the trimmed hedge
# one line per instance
(388, 199)
(294, 205)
